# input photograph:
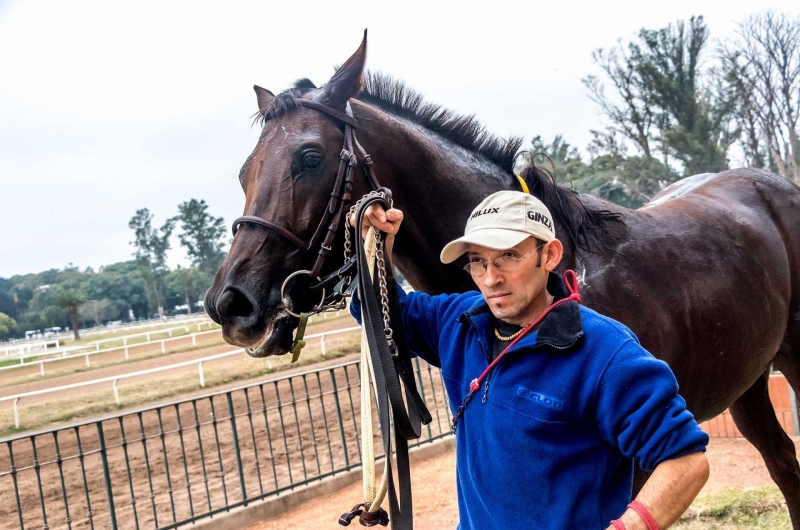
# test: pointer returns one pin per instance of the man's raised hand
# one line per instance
(384, 220)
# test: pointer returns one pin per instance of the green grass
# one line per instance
(9, 362)
(762, 508)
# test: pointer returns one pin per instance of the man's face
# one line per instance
(514, 294)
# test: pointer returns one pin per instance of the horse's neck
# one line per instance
(436, 184)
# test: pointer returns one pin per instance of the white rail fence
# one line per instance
(96, 345)
(142, 324)
(115, 378)
(125, 348)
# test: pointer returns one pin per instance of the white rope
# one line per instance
(372, 498)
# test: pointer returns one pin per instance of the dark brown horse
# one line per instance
(707, 274)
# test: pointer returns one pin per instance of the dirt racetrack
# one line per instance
(180, 460)
(734, 464)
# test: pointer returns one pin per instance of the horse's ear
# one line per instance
(348, 81)
(264, 97)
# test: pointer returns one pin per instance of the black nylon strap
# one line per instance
(389, 370)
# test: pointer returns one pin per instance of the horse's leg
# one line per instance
(755, 417)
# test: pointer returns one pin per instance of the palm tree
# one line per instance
(70, 299)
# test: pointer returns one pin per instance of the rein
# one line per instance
(385, 354)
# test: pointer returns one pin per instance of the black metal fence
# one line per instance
(167, 466)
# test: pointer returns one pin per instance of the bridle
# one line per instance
(323, 237)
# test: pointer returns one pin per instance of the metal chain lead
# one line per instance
(347, 241)
(379, 258)
(381, 264)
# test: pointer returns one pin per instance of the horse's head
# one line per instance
(287, 180)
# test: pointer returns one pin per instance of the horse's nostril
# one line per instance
(234, 303)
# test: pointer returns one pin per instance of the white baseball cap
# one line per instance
(503, 220)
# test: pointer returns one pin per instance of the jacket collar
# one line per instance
(561, 328)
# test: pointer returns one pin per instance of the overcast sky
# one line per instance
(110, 106)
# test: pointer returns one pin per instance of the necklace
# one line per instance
(515, 335)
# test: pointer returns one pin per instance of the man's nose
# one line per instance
(492, 276)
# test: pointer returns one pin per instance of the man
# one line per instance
(551, 435)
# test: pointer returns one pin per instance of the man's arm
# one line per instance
(669, 491)
(640, 411)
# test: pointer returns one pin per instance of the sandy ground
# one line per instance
(734, 464)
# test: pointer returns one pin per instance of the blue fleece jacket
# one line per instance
(566, 415)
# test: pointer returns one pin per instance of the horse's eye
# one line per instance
(311, 160)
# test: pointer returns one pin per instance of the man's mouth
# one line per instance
(499, 297)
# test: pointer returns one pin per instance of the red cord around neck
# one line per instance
(571, 280)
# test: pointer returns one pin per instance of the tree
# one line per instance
(696, 119)
(70, 300)
(98, 311)
(7, 326)
(631, 110)
(189, 284)
(202, 235)
(151, 254)
(762, 67)
(663, 100)
(627, 181)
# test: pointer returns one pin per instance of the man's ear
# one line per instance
(552, 254)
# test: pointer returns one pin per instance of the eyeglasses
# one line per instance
(505, 263)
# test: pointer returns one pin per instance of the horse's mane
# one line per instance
(397, 98)
(588, 228)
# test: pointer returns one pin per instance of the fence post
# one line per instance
(194, 340)
(116, 392)
(126, 353)
(236, 445)
(16, 413)
(163, 348)
(96, 346)
(107, 475)
(125, 342)
(322, 344)
(87, 359)
(41, 368)
(148, 336)
(170, 333)
(202, 375)
(795, 415)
